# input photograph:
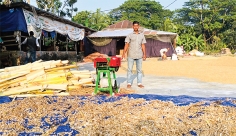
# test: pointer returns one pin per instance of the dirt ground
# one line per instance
(208, 68)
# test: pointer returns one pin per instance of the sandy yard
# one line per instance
(210, 69)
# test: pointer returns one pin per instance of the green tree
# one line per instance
(169, 26)
(198, 42)
(149, 13)
(49, 5)
(83, 18)
(62, 9)
(97, 20)
(209, 17)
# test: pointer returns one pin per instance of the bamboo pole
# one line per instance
(18, 75)
(56, 86)
(60, 68)
(35, 74)
(19, 42)
(18, 90)
(40, 95)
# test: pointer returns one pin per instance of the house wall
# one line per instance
(153, 48)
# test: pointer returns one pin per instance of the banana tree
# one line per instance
(187, 42)
(198, 42)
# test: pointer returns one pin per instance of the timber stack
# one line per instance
(42, 78)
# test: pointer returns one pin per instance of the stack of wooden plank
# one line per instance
(54, 77)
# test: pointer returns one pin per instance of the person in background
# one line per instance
(32, 45)
(135, 45)
(163, 53)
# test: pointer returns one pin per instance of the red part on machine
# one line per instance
(114, 61)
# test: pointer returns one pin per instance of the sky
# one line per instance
(92, 5)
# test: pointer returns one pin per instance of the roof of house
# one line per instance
(45, 14)
(123, 28)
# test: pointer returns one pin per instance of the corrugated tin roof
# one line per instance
(123, 28)
(125, 32)
(112, 33)
(121, 24)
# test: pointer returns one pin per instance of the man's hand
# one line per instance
(123, 56)
(144, 57)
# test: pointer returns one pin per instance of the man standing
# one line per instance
(135, 44)
(32, 44)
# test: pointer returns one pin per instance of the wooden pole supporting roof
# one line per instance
(41, 12)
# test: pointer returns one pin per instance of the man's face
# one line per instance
(135, 27)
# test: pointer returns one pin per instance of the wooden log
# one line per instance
(37, 68)
(35, 74)
(89, 85)
(80, 76)
(81, 81)
(6, 75)
(56, 86)
(80, 72)
(60, 68)
(40, 95)
(58, 71)
(62, 80)
(71, 87)
(74, 82)
(45, 91)
(56, 75)
(18, 90)
(86, 79)
(13, 81)
(12, 77)
(21, 67)
(57, 62)
(64, 62)
(2, 70)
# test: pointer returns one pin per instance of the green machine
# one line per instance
(106, 76)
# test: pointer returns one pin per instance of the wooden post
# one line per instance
(19, 42)
(55, 42)
(174, 43)
(67, 45)
(81, 45)
(76, 44)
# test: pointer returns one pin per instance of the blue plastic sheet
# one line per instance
(13, 20)
(60, 120)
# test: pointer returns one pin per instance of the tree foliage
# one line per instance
(213, 19)
(62, 9)
(97, 20)
(149, 13)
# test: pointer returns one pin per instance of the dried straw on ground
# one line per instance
(123, 117)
